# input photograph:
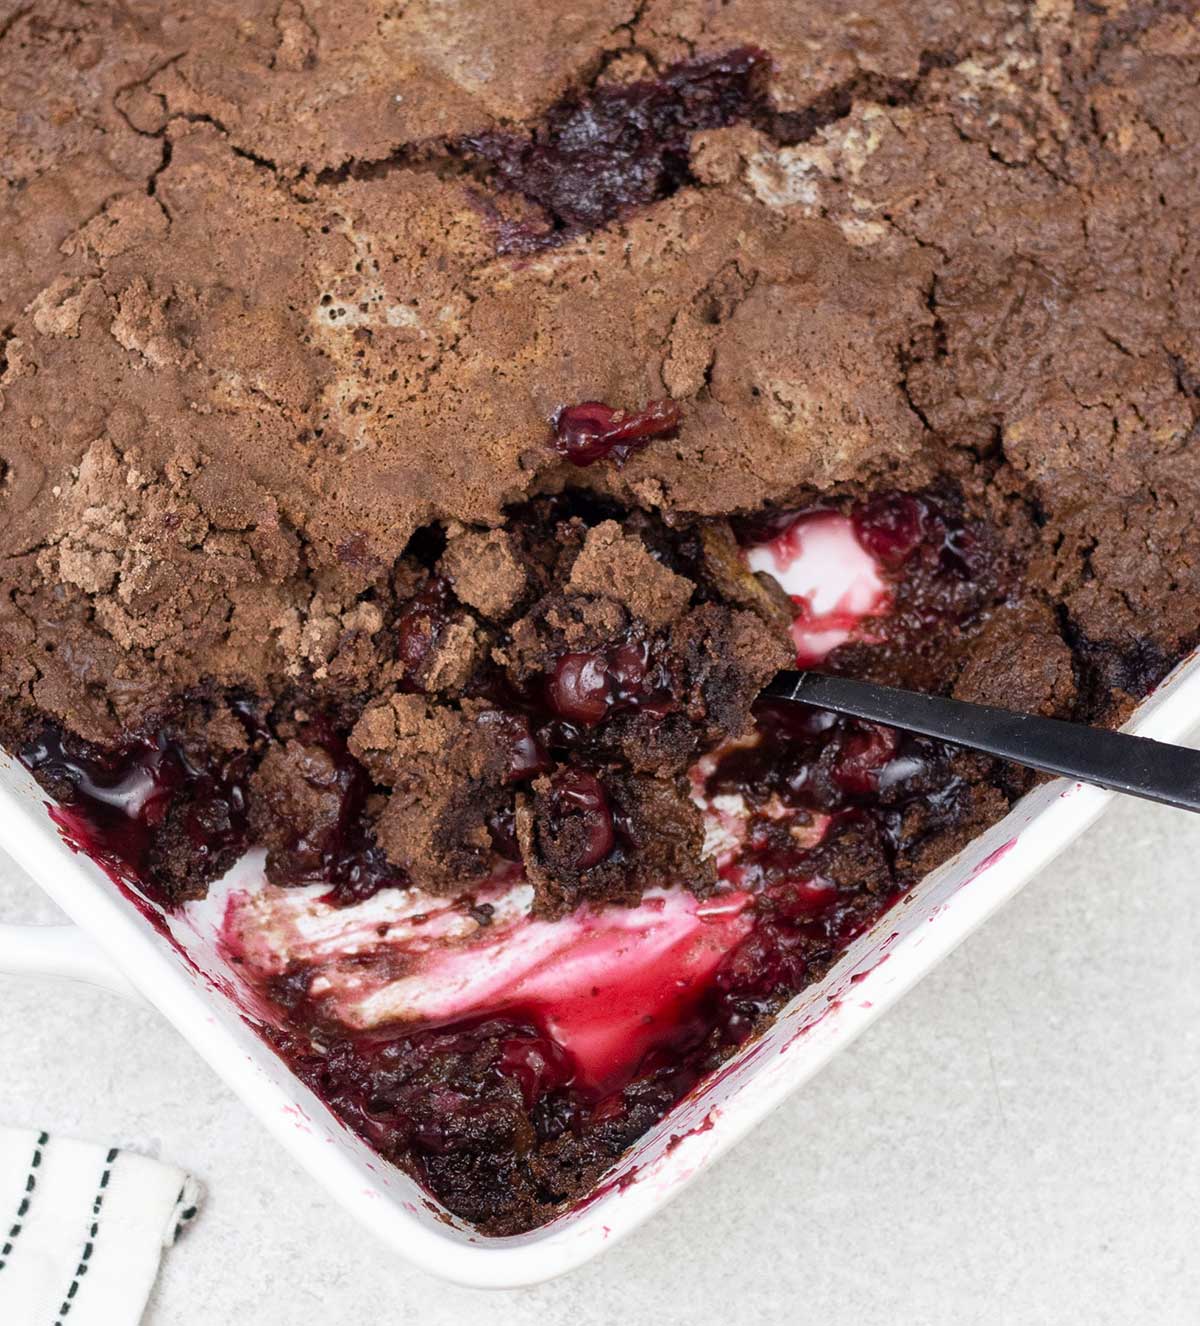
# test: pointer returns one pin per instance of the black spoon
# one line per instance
(1116, 760)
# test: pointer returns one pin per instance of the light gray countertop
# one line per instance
(1019, 1141)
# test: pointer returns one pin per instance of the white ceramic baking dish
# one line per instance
(116, 947)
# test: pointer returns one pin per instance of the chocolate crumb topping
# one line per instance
(387, 404)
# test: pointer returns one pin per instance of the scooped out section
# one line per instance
(609, 985)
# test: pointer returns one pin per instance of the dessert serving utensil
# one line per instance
(1115, 760)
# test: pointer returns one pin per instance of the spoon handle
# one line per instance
(1116, 760)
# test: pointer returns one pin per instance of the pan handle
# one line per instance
(63, 951)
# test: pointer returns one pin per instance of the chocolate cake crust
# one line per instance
(387, 395)
(256, 331)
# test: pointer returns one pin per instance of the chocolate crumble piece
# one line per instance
(484, 570)
(614, 565)
(304, 801)
(611, 683)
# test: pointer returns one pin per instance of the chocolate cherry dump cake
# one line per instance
(425, 429)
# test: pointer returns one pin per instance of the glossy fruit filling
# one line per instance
(599, 155)
(503, 1058)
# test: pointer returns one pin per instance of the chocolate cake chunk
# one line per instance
(618, 566)
(485, 570)
(446, 771)
(391, 401)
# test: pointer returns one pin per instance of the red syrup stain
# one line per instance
(80, 836)
(860, 976)
(991, 859)
(706, 1126)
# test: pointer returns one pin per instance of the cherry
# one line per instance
(502, 828)
(580, 690)
(627, 667)
(891, 527)
(581, 796)
(419, 624)
(360, 871)
(587, 687)
(592, 431)
(416, 633)
(526, 755)
(862, 756)
(769, 958)
(216, 820)
(537, 1063)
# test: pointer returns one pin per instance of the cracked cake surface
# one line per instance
(389, 395)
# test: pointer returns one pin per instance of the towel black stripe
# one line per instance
(90, 1242)
(14, 1232)
(184, 1216)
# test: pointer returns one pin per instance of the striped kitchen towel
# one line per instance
(82, 1228)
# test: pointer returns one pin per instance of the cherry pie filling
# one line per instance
(548, 1046)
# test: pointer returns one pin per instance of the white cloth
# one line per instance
(82, 1228)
